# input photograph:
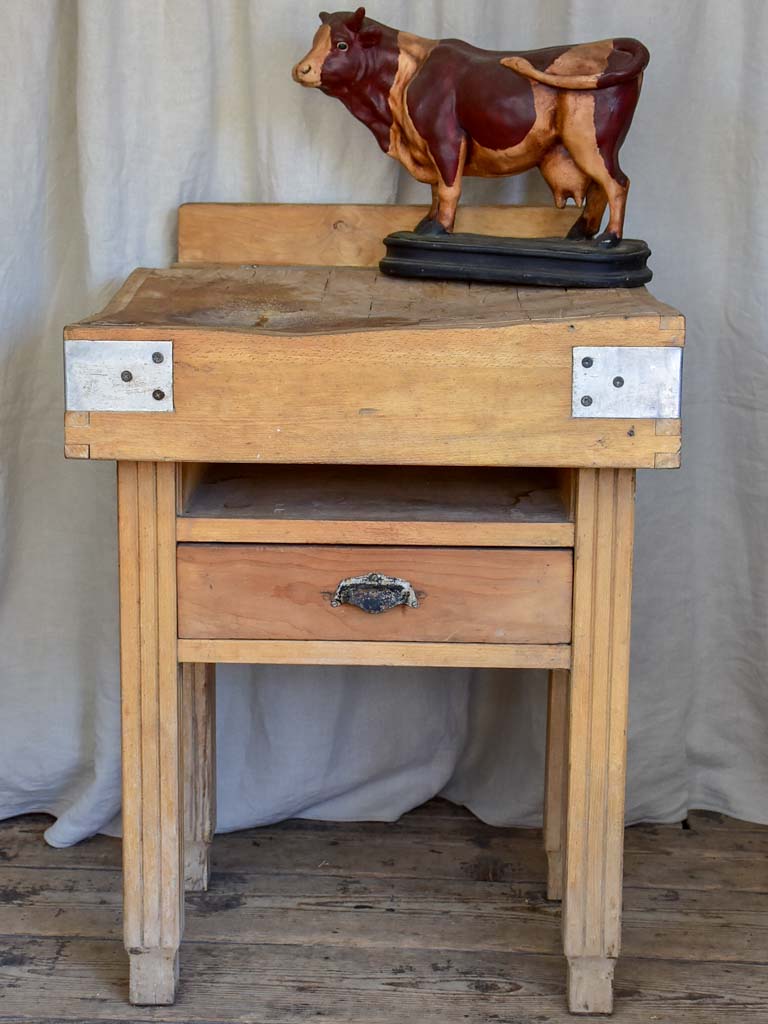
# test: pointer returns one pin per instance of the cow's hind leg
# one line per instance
(594, 127)
(568, 181)
(591, 218)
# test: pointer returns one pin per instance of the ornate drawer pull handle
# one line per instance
(375, 593)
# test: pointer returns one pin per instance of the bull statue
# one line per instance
(445, 109)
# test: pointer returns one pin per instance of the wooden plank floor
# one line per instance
(438, 919)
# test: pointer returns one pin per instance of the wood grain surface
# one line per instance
(283, 592)
(597, 735)
(437, 918)
(387, 652)
(381, 505)
(198, 704)
(494, 396)
(151, 729)
(556, 780)
(335, 235)
(386, 493)
(340, 364)
(291, 300)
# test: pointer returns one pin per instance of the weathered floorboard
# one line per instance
(438, 918)
(377, 913)
(85, 980)
(656, 856)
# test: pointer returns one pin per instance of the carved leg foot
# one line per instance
(590, 984)
(608, 240)
(580, 231)
(428, 226)
(154, 976)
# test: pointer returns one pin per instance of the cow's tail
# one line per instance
(636, 63)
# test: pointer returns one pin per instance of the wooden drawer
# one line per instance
(465, 595)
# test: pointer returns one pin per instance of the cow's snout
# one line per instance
(307, 72)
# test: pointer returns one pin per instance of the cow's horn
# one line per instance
(355, 23)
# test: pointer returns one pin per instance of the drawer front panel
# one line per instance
(286, 592)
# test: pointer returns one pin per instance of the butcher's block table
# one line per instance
(318, 464)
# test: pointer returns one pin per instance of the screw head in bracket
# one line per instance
(586, 400)
(126, 375)
(158, 357)
(618, 382)
(158, 395)
(587, 361)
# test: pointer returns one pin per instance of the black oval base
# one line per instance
(552, 262)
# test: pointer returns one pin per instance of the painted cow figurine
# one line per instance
(444, 109)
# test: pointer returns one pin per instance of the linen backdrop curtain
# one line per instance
(112, 113)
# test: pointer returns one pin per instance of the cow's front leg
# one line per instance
(428, 223)
(448, 193)
(448, 196)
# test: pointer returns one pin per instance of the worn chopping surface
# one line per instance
(322, 300)
(438, 919)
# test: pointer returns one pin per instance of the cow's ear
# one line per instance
(370, 36)
(355, 22)
(324, 17)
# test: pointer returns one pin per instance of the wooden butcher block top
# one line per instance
(332, 300)
(286, 364)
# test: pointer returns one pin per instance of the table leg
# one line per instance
(198, 685)
(556, 780)
(152, 798)
(597, 736)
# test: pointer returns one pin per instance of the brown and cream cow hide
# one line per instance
(445, 109)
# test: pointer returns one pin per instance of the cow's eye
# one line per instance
(341, 45)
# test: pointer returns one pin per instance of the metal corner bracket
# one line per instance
(118, 376)
(627, 382)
